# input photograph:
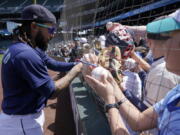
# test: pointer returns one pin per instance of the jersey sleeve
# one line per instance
(58, 65)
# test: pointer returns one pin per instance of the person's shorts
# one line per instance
(31, 124)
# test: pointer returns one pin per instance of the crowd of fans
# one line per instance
(121, 57)
(134, 71)
(135, 61)
(137, 81)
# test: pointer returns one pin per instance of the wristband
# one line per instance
(121, 101)
(109, 106)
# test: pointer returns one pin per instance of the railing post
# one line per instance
(34, 1)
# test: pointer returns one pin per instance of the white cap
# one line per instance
(130, 63)
(82, 40)
(102, 38)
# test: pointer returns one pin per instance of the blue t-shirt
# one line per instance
(169, 113)
(25, 80)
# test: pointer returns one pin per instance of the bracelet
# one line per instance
(109, 106)
(121, 101)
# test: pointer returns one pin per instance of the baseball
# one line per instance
(98, 72)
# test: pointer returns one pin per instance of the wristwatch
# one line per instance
(109, 106)
(115, 105)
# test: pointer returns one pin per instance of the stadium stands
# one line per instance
(85, 14)
(12, 6)
(54, 2)
(95, 14)
(13, 3)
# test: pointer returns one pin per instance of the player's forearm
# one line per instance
(66, 80)
(61, 84)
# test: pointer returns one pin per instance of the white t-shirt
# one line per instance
(132, 82)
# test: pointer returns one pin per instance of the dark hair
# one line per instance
(157, 36)
(23, 33)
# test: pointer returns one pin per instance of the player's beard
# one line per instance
(41, 42)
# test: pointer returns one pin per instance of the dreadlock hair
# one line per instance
(23, 33)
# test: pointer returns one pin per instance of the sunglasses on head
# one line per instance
(51, 29)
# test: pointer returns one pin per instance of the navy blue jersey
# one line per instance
(25, 80)
(53, 64)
